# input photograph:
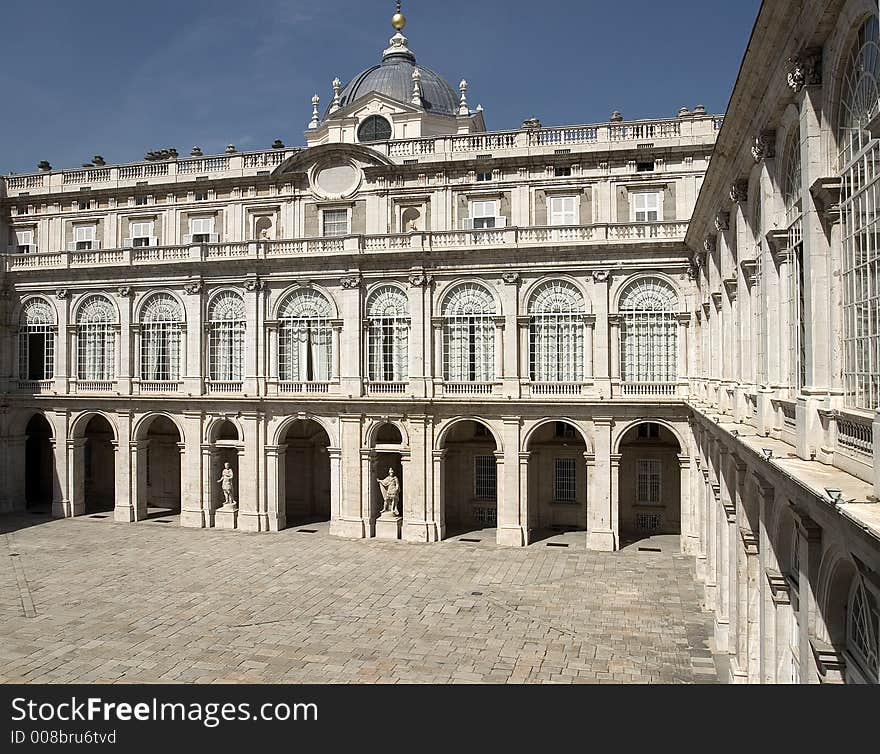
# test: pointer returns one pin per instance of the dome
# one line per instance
(393, 77)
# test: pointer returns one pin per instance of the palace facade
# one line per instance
(527, 326)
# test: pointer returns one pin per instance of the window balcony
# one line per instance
(649, 389)
(385, 388)
(309, 388)
(220, 387)
(95, 386)
(159, 386)
(37, 387)
(469, 388)
(554, 389)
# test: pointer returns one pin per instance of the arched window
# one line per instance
(96, 340)
(862, 633)
(305, 337)
(388, 328)
(36, 341)
(374, 128)
(161, 325)
(469, 335)
(226, 330)
(648, 332)
(859, 161)
(556, 333)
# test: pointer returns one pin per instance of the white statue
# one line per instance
(390, 487)
(225, 480)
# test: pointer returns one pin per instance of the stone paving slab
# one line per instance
(89, 600)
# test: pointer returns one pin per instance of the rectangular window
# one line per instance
(645, 206)
(565, 489)
(201, 229)
(649, 431)
(201, 196)
(562, 210)
(485, 480)
(24, 240)
(648, 481)
(564, 431)
(85, 204)
(484, 176)
(484, 214)
(140, 201)
(141, 233)
(561, 171)
(335, 222)
(645, 167)
(84, 237)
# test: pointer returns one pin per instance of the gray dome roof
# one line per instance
(393, 78)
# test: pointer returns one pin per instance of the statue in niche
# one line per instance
(390, 487)
(225, 480)
(264, 229)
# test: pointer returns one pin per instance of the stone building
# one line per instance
(527, 326)
(786, 380)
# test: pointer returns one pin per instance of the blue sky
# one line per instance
(123, 78)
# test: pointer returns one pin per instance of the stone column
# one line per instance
(602, 368)
(589, 329)
(251, 503)
(418, 521)
(208, 506)
(62, 345)
(809, 543)
(510, 374)
(500, 361)
(351, 522)
(601, 534)
(76, 475)
(276, 498)
(61, 503)
(126, 494)
(767, 564)
(688, 541)
(438, 492)
(335, 455)
(347, 348)
(419, 340)
(368, 479)
(527, 507)
(124, 354)
(192, 511)
(437, 359)
(191, 371)
(684, 321)
(512, 525)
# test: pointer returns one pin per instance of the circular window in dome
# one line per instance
(374, 128)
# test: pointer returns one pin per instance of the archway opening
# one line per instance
(161, 468)
(386, 457)
(470, 481)
(99, 466)
(306, 473)
(649, 484)
(557, 480)
(39, 464)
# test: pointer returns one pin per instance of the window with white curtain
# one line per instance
(562, 210)
(36, 341)
(161, 327)
(556, 333)
(305, 337)
(648, 481)
(388, 335)
(484, 214)
(863, 632)
(24, 241)
(859, 164)
(469, 334)
(141, 233)
(649, 332)
(226, 331)
(96, 340)
(201, 230)
(335, 222)
(84, 237)
(645, 206)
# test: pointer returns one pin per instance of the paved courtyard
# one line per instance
(87, 600)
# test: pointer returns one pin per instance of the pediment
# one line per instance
(373, 103)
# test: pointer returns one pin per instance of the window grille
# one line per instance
(649, 332)
(485, 478)
(96, 340)
(36, 341)
(648, 474)
(863, 631)
(305, 340)
(556, 333)
(859, 160)
(226, 331)
(388, 335)
(563, 210)
(469, 335)
(335, 222)
(161, 325)
(646, 206)
(565, 488)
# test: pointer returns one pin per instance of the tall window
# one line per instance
(96, 340)
(161, 325)
(562, 210)
(226, 330)
(645, 206)
(565, 480)
(648, 332)
(484, 214)
(85, 237)
(388, 328)
(335, 222)
(24, 241)
(859, 162)
(469, 335)
(201, 230)
(648, 471)
(556, 333)
(862, 632)
(485, 478)
(36, 341)
(305, 340)
(141, 233)
(791, 193)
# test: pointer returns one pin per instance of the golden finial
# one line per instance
(398, 20)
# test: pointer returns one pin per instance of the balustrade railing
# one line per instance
(856, 435)
(304, 387)
(223, 387)
(385, 388)
(36, 386)
(94, 386)
(648, 388)
(468, 388)
(555, 388)
(159, 387)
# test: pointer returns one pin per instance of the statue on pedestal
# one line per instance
(390, 487)
(225, 480)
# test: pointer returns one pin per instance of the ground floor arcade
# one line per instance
(619, 475)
